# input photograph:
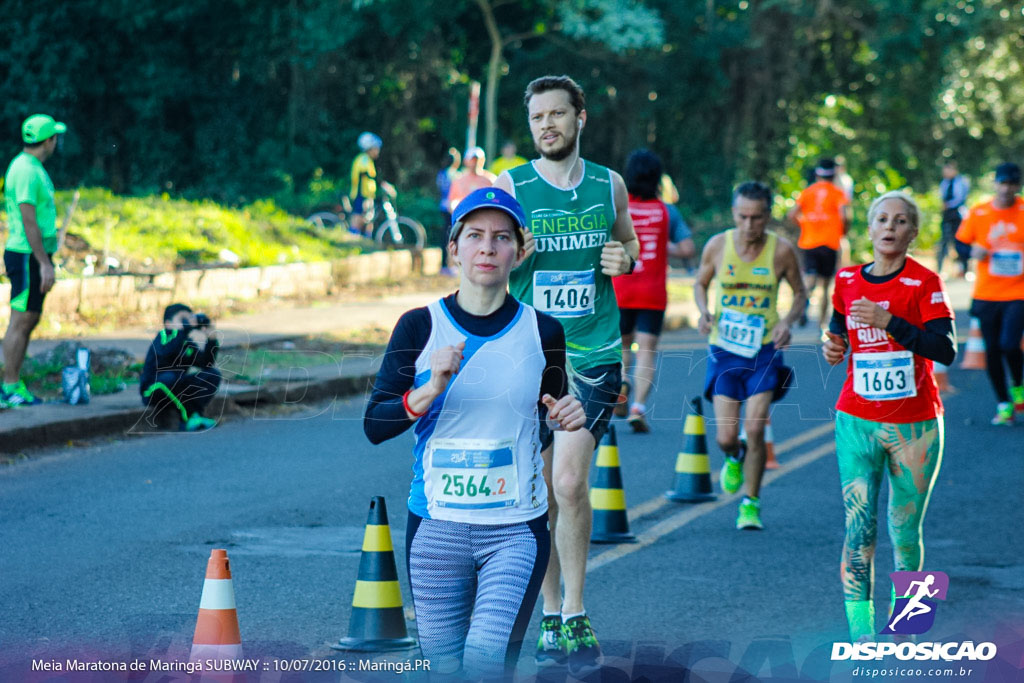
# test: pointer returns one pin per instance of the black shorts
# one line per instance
(820, 261)
(598, 390)
(23, 272)
(640, 320)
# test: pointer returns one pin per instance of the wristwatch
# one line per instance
(632, 265)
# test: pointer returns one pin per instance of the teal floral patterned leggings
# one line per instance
(912, 455)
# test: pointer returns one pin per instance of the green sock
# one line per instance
(11, 387)
(860, 615)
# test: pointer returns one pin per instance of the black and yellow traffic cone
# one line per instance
(693, 468)
(378, 620)
(607, 497)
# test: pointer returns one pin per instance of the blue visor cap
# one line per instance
(489, 198)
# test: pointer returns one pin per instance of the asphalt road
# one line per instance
(103, 548)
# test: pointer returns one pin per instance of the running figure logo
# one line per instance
(917, 593)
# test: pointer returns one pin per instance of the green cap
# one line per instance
(39, 127)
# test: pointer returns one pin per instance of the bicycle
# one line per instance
(393, 232)
(398, 231)
(332, 219)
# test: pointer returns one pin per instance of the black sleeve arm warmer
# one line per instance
(937, 341)
(838, 323)
(554, 381)
(385, 415)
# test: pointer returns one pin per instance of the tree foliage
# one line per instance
(236, 100)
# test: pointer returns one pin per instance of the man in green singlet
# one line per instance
(746, 336)
(580, 236)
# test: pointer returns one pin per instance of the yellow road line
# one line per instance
(684, 517)
(654, 504)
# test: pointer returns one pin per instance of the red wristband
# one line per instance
(405, 404)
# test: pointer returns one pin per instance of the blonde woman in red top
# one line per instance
(893, 315)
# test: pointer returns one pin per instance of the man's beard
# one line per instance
(561, 153)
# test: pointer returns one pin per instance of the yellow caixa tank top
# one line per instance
(746, 299)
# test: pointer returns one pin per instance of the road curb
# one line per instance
(229, 400)
(61, 431)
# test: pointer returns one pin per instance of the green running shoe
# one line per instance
(198, 423)
(581, 645)
(750, 514)
(1017, 396)
(551, 644)
(731, 477)
(1004, 415)
(15, 395)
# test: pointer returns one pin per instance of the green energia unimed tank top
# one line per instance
(563, 276)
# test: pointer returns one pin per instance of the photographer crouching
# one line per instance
(179, 369)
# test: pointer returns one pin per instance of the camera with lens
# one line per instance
(202, 321)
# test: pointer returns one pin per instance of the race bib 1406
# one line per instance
(564, 294)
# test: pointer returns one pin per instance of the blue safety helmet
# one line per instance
(368, 141)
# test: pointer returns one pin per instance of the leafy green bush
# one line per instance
(155, 232)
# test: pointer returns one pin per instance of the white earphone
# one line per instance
(579, 123)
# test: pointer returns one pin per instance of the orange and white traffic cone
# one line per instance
(770, 461)
(942, 378)
(974, 350)
(217, 636)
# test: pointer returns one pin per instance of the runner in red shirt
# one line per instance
(642, 295)
(894, 315)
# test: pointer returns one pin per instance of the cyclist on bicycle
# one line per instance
(363, 192)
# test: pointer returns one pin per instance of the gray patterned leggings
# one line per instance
(474, 587)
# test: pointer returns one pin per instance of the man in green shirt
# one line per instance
(580, 236)
(31, 241)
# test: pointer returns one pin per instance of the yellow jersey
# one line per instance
(502, 164)
(364, 178)
(746, 298)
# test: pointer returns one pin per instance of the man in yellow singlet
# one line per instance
(747, 336)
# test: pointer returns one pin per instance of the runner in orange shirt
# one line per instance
(823, 213)
(995, 229)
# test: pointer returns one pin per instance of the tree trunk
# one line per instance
(493, 76)
(293, 89)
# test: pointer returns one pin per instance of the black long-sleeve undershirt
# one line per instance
(937, 341)
(385, 415)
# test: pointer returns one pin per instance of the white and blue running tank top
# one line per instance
(478, 447)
